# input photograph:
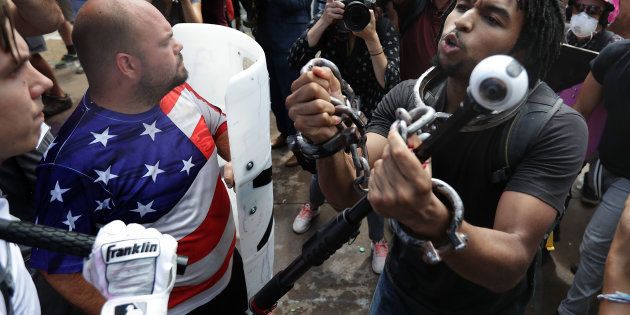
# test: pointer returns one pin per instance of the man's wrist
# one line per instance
(435, 230)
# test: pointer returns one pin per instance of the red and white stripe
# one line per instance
(201, 221)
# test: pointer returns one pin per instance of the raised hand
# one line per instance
(309, 104)
(401, 188)
(333, 11)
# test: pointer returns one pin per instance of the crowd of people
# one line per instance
(135, 160)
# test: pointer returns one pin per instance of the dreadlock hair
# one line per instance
(7, 32)
(540, 38)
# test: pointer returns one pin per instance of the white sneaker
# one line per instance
(304, 219)
(379, 253)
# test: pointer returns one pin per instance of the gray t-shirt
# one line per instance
(546, 172)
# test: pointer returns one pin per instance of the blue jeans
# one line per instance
(594, 249)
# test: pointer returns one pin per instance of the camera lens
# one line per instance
(493, 90)
(356, 16)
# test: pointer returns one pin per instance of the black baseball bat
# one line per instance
(57, 240)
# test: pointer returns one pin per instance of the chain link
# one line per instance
(352, 129)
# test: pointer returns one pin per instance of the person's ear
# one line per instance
(128, 65)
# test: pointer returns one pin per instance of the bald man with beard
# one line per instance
(141, 147)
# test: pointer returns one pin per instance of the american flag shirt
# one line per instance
(158, 168)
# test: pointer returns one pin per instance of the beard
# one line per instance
(460, 70)
(152, 87)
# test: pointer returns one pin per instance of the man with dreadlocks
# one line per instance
(505, 221)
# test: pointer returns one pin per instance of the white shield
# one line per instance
(228, 69)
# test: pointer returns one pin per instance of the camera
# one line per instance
(498, 82)
(356, 15)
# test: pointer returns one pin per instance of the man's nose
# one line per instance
(465, 22)
(178, 47)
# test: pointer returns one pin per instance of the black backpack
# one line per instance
(524, 129)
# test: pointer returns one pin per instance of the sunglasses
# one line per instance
(590, 9)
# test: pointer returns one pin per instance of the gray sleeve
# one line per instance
(384, 115)
(548, 170)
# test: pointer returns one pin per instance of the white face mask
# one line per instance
(583, 25)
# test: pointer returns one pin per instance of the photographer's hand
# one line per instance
(332, 12)
(368, 34)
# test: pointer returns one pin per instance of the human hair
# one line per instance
(99, 35)
(7, 37)
(540, 38)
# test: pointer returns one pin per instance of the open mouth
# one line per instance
(451, 40)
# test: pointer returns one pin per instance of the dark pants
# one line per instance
(280, 79)
(233, 299)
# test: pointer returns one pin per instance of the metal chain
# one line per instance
(421, 121)
(352, 129)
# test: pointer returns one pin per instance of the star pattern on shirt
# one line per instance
(70, 220)
(103, 204)
(48, 149)
(102, 137)
(57, 192)
(187, 165)
(153, 170)
(150, 130)
(144, 209)
(105, 176)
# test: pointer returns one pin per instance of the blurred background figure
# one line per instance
(249, 19)
(182, 11)
(213, 12)
(587, 29)
(606, 84)
(279, 24)
(55, 100)
(419, 23)
(621, 26)
(65, 31)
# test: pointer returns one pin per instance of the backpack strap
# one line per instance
(525, 128)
